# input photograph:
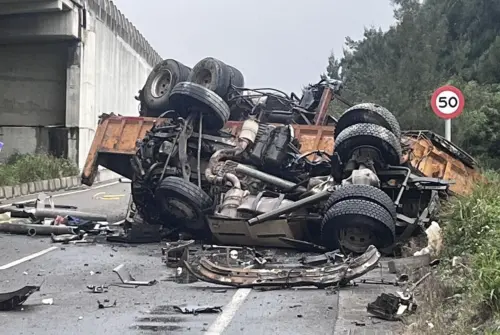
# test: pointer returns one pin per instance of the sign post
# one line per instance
(447, 103)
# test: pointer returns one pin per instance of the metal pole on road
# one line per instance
(447, 129)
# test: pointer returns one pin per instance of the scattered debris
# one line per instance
(219, 291)
(399, 265)
(192, 309)
(101, 306)
(32, 229)
(66, 238)
(10, 300)
(97, 289)
(127, 278)
(329, 257)
(392, 306)
(434, 240)
(176, 252)
(48, 301)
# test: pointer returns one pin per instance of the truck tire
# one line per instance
(368, 113)
(353, 225)
(363, 192)
(160, 82)
(212, 74)
(237, 79)
(188, 98)
(365, 134)
(184, 202)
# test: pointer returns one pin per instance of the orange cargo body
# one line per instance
(115, 143)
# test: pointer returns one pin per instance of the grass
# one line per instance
(465, 298)
(33, 167)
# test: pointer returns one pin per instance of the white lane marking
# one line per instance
(66, 193)
(223, 320)
(27, 258)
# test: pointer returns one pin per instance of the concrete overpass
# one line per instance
(62, 64)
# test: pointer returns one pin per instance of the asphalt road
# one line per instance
(65, 272)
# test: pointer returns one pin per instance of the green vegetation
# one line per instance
(465, 298)
(433, 43)
(26, 168)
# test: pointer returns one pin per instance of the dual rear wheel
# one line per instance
(357, 216)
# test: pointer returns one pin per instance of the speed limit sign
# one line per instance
(447, 102)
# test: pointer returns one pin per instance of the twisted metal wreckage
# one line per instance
(218, 161)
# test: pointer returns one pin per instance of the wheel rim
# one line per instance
(161, 84)
(356, 239)
(204, 78)
(182, 211)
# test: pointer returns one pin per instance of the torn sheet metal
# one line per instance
(10, 300)
(127, 278)
(193, 309)
(303, 245)
(65, 238)
(176, 252)
(286, 276)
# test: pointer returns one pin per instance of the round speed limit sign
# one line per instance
(447, 102)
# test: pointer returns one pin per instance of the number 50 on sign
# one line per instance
(447, 102)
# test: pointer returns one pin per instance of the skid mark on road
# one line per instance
(166, 319)
(228, 312)
(27, 258)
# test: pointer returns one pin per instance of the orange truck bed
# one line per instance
(115, 143)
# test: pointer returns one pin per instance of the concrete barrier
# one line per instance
(51, 185)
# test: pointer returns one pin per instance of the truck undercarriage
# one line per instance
(236, 165)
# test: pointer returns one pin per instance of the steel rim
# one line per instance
(204, 78)
(356, 239)
(161, 83)
(183, 211)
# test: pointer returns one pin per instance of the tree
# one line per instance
(433, 43)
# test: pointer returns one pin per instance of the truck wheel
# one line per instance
(237, 78)
(162, 79)
(368, 113)
(365, 134)
(363, 192)
(184, 202)
(353, 225)
(212, 74)
(188, 98)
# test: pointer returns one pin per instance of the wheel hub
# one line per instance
(161, 84)
(356, 239)
(180, 209)
(204, 78)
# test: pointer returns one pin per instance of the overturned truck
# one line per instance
(256, 166)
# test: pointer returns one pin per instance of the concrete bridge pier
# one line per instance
(62, 64)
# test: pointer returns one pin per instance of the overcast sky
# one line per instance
(274, 43)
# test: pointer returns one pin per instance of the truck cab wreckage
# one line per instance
(218, 161)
